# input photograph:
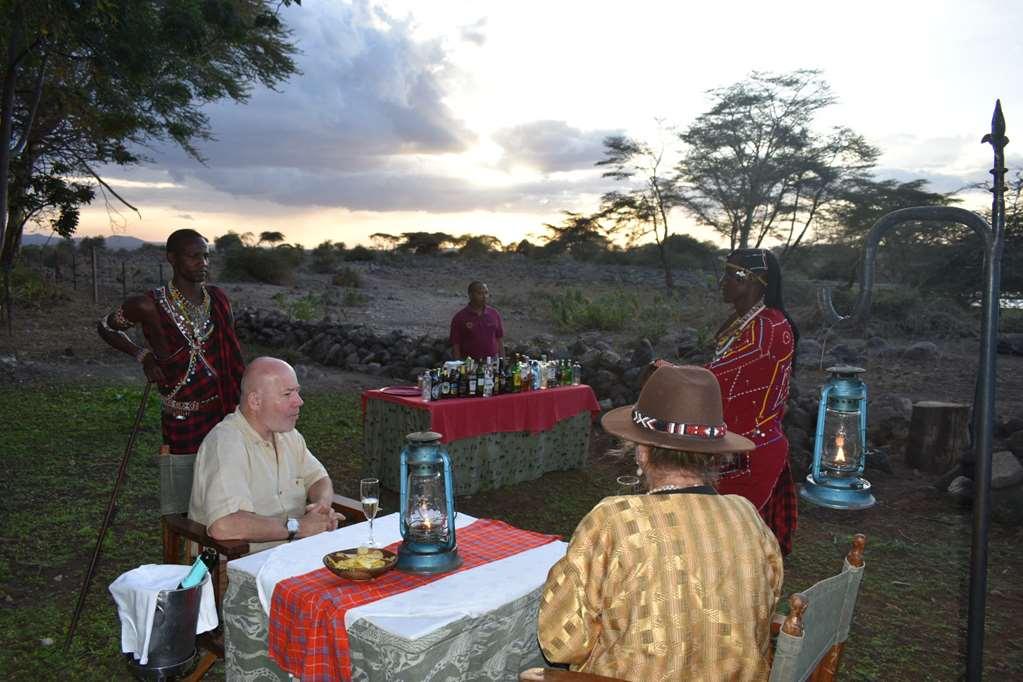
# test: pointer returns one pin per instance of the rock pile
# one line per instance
(614, 374)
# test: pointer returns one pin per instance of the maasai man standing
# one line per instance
(193, 356)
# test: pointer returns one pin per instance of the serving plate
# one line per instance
(359, 573)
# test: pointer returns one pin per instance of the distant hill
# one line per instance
(114, 242)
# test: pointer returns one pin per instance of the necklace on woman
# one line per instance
(668, 488)
(727, 337)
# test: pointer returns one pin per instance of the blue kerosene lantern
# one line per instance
(427, 507)
(839, 448)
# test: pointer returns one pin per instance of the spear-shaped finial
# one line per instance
(997, 136)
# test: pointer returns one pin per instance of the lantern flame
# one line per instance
(840, 446)
(424, 514)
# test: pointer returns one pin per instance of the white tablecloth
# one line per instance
(415, 613)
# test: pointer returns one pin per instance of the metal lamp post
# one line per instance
(993, 237)
(427, 507)
(839, 450)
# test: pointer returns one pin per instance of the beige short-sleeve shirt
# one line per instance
(236, 470)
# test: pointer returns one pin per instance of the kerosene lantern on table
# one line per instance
(427, 507)
(840, 445)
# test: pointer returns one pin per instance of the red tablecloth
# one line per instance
(532, 411)
(307, 613)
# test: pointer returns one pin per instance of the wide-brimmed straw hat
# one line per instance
(679, 408)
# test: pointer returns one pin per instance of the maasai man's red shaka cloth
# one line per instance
(206, 369)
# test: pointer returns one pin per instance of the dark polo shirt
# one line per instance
(477, 333)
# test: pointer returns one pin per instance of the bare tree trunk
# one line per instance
(95, 281)
(7, 123)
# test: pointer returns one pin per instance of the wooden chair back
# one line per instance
(812, 639)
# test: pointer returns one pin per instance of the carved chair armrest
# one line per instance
(186, 528)
(352, 509)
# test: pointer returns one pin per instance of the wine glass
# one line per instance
(369, 493)
(628, 484)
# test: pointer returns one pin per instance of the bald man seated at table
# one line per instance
(255, 479)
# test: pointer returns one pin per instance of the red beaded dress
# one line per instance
(753, 364)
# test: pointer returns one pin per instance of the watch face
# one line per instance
(292, 525)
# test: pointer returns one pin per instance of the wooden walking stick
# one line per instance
(108, 516)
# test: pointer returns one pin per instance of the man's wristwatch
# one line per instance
(292, 526)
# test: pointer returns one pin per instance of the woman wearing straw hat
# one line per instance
(679, 583)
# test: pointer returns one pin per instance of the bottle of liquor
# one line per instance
(516, 377)
(425, 388)
(445, 386)
(204, 563)
(577, 373)
(488, 379)
(473, 385)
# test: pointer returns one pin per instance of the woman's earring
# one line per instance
(639, 470)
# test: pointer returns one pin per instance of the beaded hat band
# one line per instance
(704, 431)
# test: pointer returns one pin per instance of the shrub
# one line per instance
(347, 277)
(29, 288)
(326, 256)
(573, 311)
(304, 308)
(250, 263)
(360, 253)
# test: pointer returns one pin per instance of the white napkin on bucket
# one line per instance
(135, 593)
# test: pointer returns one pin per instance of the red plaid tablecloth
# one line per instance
(307, 613)
(532, 411)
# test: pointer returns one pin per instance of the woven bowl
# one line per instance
(359, 573)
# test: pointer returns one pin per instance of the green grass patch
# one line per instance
(63, 444)
(573, 311)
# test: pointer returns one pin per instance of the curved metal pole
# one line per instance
(944, 214)
(993, 236)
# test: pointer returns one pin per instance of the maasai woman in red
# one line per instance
(753, 363)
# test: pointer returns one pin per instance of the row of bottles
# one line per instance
(498, 376)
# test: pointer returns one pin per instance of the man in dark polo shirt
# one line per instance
(476, 329)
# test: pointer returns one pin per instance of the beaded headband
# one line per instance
(742, 273)
(702, 431)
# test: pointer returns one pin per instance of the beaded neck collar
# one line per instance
(691, 489)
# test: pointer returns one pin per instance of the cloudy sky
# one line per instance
(487, 117)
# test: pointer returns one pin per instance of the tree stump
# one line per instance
(938, 433)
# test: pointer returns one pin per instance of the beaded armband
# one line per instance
(120, 321)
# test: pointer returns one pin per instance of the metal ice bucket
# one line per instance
(172, 641)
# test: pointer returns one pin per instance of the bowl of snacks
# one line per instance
(361, 563)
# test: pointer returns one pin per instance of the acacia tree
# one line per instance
(644, 209)
(752, 166)
(270, 237)
(91, 83)
(577, 233)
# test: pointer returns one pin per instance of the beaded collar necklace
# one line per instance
(732, 332)
(196, 326)
(196, 315)
(701, 488)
